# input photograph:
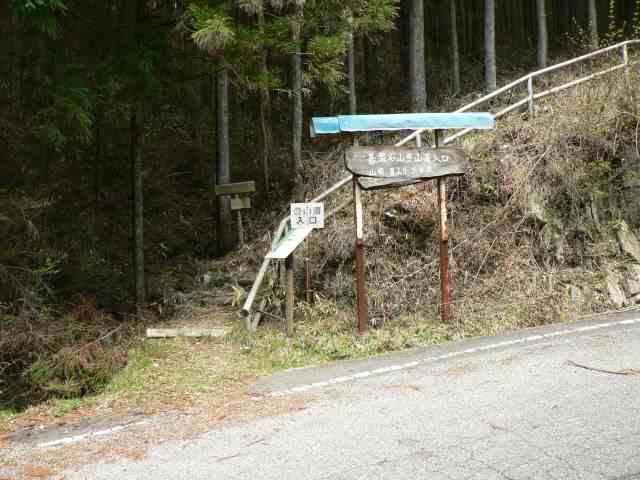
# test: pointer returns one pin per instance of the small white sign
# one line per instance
(307, 215)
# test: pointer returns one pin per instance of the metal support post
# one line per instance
(625, 61)
(530, 92)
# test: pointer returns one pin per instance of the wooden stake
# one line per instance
(360, 274)
(445, 303)
(288, 263)
(240, 228)
(307, 272)
(307, 266)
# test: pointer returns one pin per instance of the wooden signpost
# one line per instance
(304, 218)
(284, 251)
(380, 167)
(239, 200)
(361, 291)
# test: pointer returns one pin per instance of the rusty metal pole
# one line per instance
(445, 303)
(288, 264)
(361, 292)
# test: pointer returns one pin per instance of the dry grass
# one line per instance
(509, 269)
(182, 387)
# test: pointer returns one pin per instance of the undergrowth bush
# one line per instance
(66, 356)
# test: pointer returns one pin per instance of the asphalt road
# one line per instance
(500, 408)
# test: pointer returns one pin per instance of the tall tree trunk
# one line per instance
(518, 22)
(265, 113)
(351, 64)
(136, 139)
(375, 55)
(16, 60)
(417, 73)
(403, 34)
(564, 15)
(542, 33)
(296, 106)
(455, 49)
(463, 27)
(97, 162)
(490, 44)
(39, 58)
(532, 24)
(223, 162)
(593, 24)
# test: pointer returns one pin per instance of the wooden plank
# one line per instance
(240, 227)
(235, 188)
(185, 332)
(395, 162)
(368, 183)
(240, 203)
(289, 242)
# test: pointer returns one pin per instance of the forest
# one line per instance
(119, 117)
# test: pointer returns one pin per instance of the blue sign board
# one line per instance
(401, 121)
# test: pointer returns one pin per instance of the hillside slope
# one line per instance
(544, 227)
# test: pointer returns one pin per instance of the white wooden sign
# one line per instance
(307, 215)
(289, 242)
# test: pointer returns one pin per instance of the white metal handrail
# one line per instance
(529, 78)
(416, 134)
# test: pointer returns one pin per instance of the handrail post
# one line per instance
(530, 93)
(625, 62)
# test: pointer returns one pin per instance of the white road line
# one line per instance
(78, 438)
(369, 373)
(483, 348)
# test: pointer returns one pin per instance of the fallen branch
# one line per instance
(626, 371)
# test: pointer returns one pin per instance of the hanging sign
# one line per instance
(404, 164)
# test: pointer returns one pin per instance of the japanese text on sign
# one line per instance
(307, 215)
(391, 162)
(405, 163)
